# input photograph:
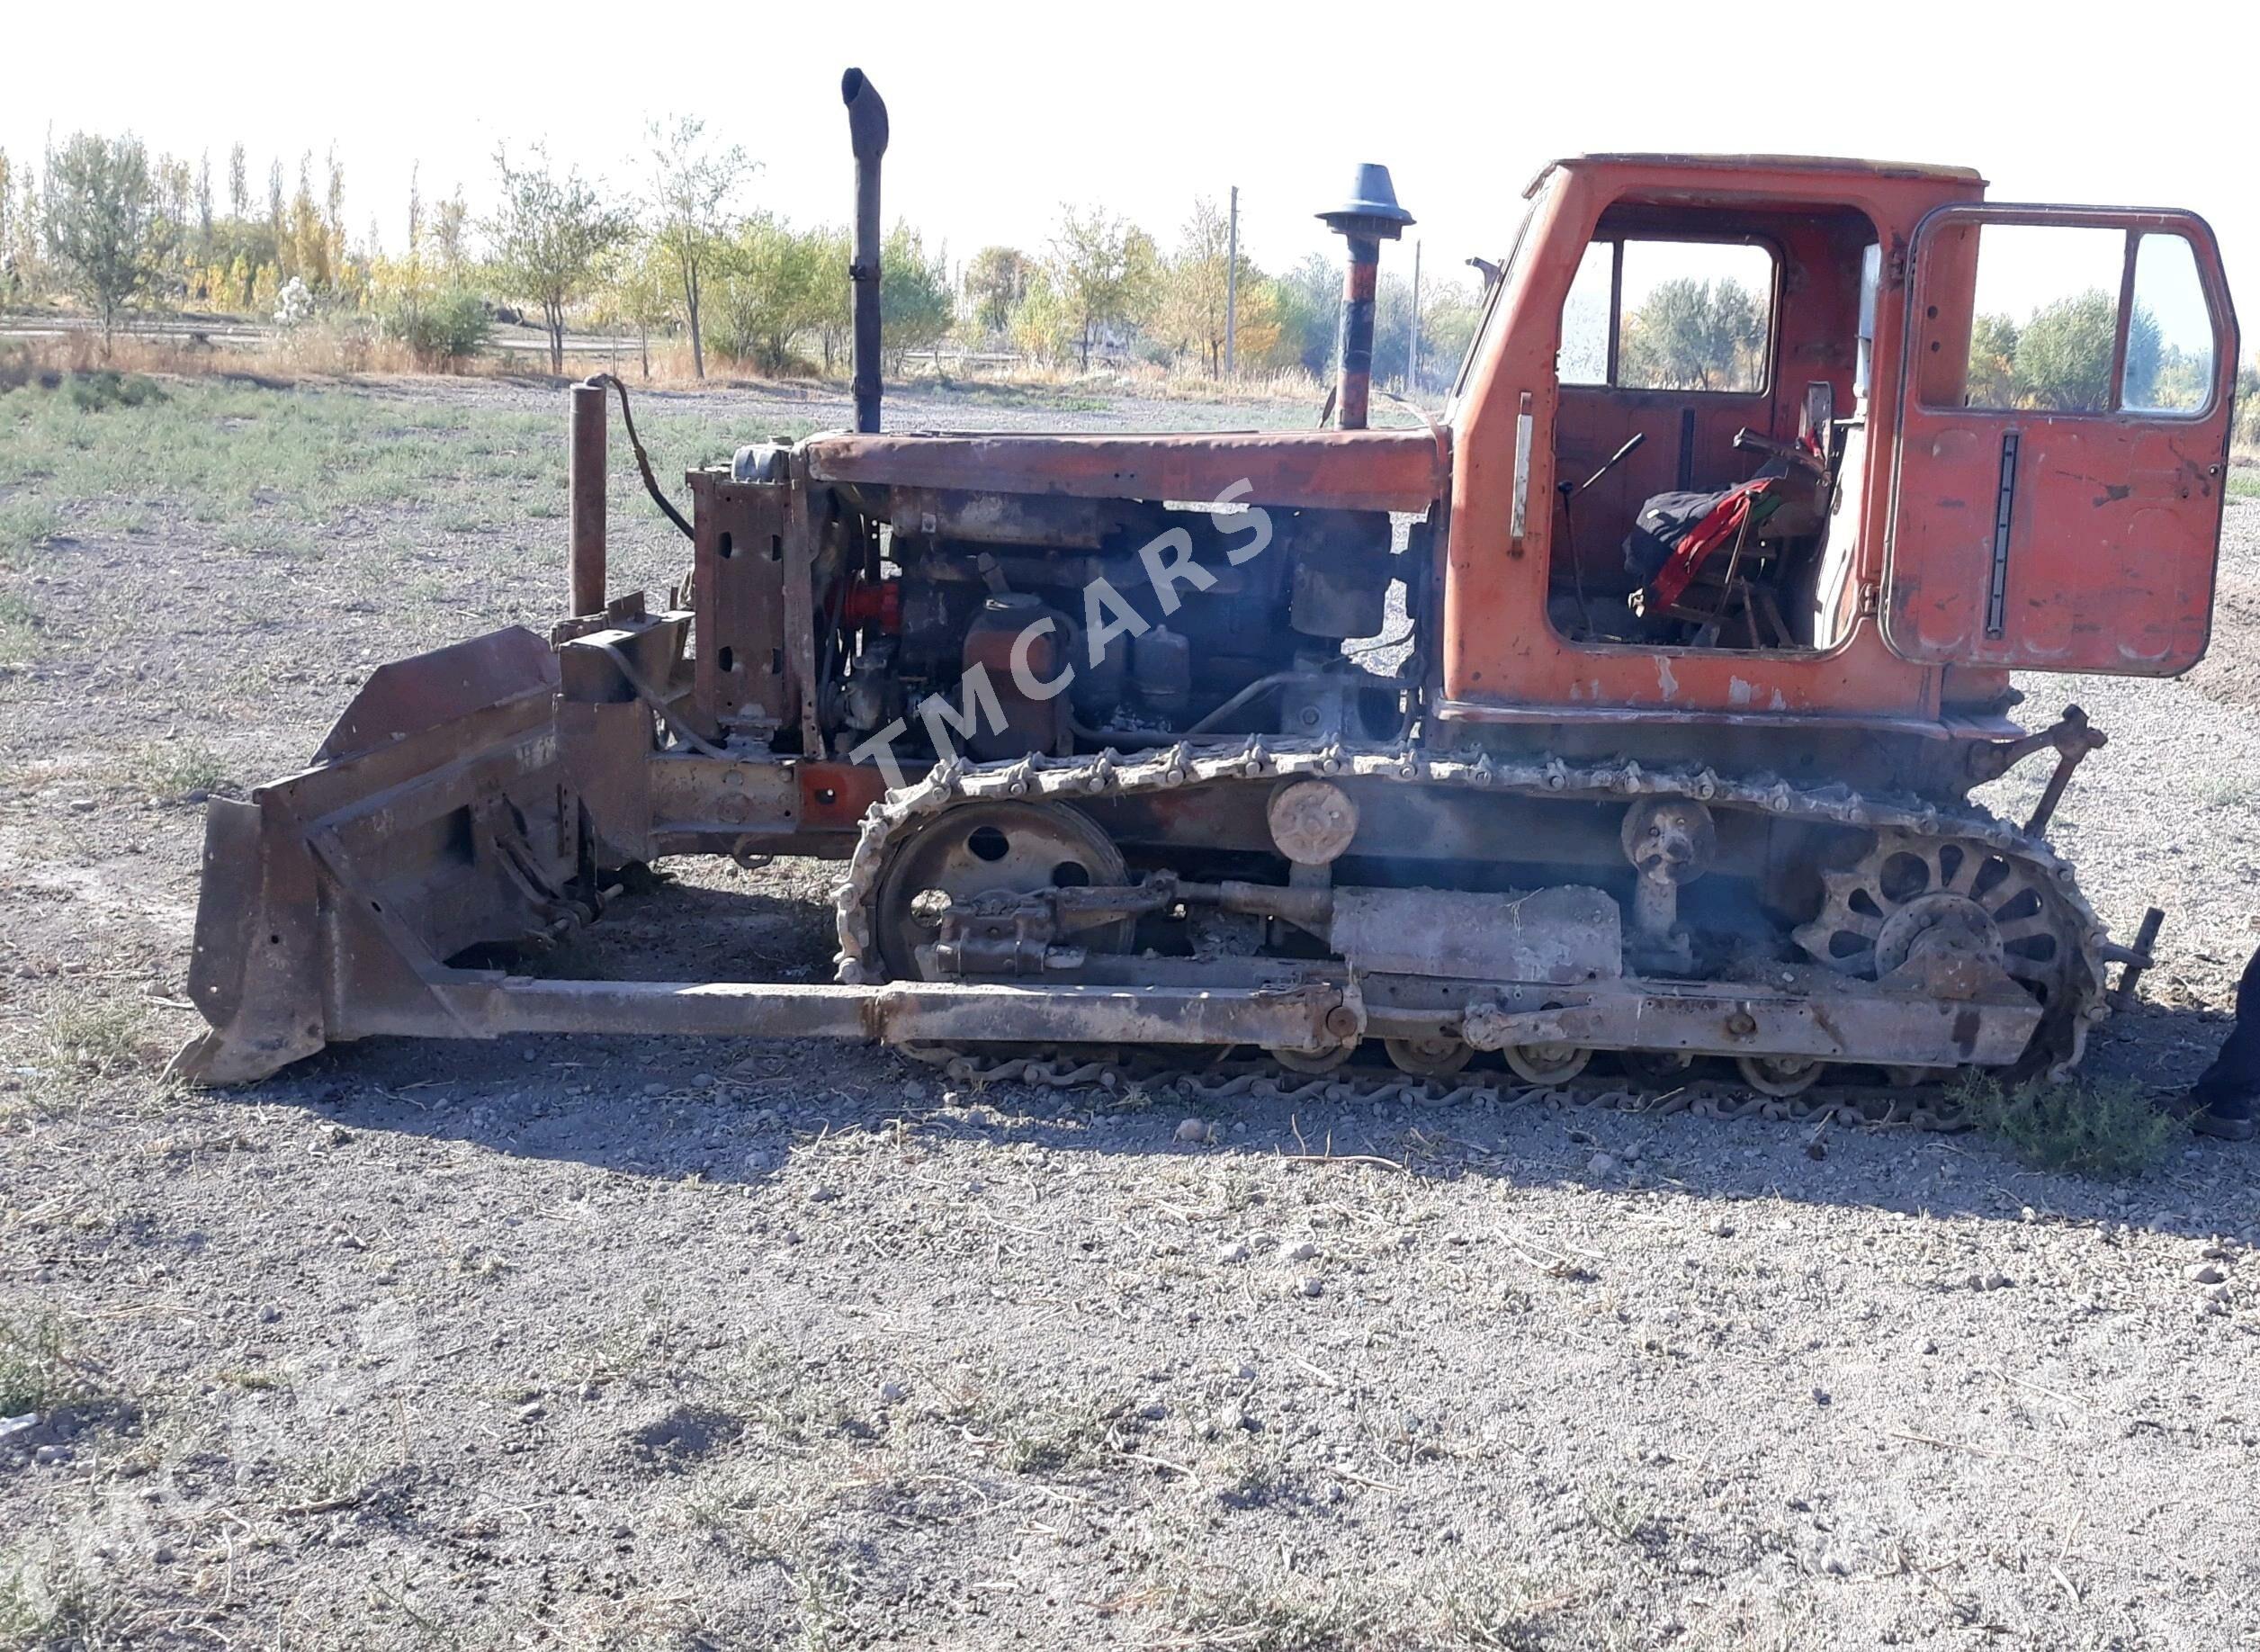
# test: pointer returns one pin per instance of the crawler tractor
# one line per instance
(1628, 714)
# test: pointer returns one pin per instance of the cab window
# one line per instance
(1670, 315)
(2079, 318)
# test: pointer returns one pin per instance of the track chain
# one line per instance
(1110, 773)
(1266, 1083)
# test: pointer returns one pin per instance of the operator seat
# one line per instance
(1705, 562)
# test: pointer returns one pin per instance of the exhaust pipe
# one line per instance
(867, 134)
(585, 522)
(1370, 216)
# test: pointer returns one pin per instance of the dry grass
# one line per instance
(179, 770)
(353, 350)
(34, 1372)
(311, 352)
(18, 623)
(71, 1045)
(54, 1600)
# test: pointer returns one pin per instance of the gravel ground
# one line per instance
(620, 1343)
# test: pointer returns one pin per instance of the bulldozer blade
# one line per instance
(436, 818)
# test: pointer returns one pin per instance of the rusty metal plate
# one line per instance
(409, 696)
(1324, 470)
(1566, 934)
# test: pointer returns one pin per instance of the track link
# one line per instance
(1211, 1082)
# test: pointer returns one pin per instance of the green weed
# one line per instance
(34, 1372)
(273, 462)
(1286, 1615)
(19, 627)
(2106, 1128)
(25, 526)
(93, 1037)
(60, 1604)
(177, 768)
(1044, 1440)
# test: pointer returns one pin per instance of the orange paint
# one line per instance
(2111, 548)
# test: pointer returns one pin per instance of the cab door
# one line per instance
(2064, 419)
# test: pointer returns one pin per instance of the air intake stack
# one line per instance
(1370, 216)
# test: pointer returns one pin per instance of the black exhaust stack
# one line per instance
(867, 132)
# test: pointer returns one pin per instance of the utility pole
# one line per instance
(1413, 350)
(1232, 289)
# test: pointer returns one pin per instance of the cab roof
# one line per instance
(1666, 162)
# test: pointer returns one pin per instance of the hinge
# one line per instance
(1870, 599)
(1896, 267)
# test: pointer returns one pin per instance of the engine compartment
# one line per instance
(1087, 624)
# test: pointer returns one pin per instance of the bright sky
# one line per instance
(1001, 113)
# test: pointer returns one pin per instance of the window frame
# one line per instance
(1493, 307)
(2010, 215)
(1616, 241)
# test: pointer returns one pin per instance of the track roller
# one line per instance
(1545, 1063)
(1437, 1057)
(1780, 1075)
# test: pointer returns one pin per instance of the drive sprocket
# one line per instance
(1906, 884)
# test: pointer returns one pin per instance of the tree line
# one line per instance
(103, 222)
(2059, 359)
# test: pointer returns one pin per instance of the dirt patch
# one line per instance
(617, 1342)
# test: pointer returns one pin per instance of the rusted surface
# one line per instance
(1576, 713)
(1354, 368)
(1958, 845)
(2051, 540)
(1048, 522)
(1311, 821)
(776, 806)
(2074, 740)
(586, 512)
(255, 974)
(486, 793)
(330, 896)
(409, 696)
(1900, 1028)
(1364, 469)
(939, 1012)
(742, 668)
(799, 553)
(1567, 933)
(2136, 957)
(867, 137)
(1816, 1018)
(1498, 654)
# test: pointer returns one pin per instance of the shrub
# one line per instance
(2106, 1129)
(91, 392)
(440, 331)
